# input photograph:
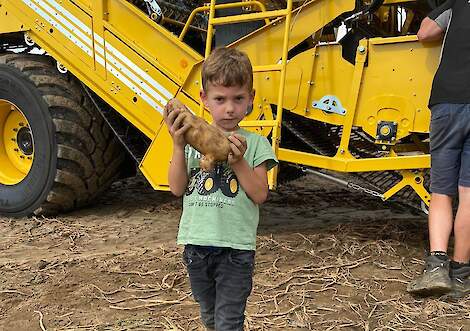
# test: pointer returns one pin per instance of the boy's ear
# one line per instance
(252, 97)
(203, 96)
(250, 105)
(249, 110)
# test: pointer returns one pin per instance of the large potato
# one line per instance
(205, 138)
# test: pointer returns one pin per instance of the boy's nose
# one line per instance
(229, 107)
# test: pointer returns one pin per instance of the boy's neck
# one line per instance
(224, 130)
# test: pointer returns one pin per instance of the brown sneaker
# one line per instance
(460, 278)
(435, 279)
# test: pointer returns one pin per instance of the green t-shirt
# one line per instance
(216, 210)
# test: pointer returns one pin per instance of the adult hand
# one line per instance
(238, 146)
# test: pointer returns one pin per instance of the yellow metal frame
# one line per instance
(350, 164)
(370, 99)
(415, 180)
(132, 60)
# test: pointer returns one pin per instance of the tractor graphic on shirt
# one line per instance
(206, 183)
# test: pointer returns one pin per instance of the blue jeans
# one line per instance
(221, 281)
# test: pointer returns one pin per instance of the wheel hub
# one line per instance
(17, 145)
(24, 140)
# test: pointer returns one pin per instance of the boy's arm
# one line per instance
(435, 24)
(177, 173)
(253, 181)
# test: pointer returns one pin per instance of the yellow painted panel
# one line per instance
(395, 86)
(152, 41)
(157, 159)
(156, 162)
(398, 80)
(8, 21)
(331, 75)
(193, 85)
(85, 5)
(267, 86)
(57, 26)
(137, 84)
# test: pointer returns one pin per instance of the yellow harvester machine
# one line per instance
(341, 85)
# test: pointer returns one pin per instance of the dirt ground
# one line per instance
(327, 259)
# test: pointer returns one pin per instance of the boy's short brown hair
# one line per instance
(227, 67)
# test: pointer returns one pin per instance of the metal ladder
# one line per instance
(280, 67)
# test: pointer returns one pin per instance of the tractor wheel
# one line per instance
(56, 151)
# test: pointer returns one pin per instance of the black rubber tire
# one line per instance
(204, 177)
(226, 188)
(76, 155)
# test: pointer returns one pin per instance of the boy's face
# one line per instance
(227, 105)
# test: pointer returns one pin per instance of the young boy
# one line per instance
(221, 207)
(450, 153)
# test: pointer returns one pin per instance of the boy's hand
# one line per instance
(174, 122)
(238, 146)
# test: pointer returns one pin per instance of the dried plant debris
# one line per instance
(331, 266)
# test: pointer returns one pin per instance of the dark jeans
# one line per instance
(221, 281)
(450, 147)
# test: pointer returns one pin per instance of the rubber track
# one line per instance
(89, 157)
